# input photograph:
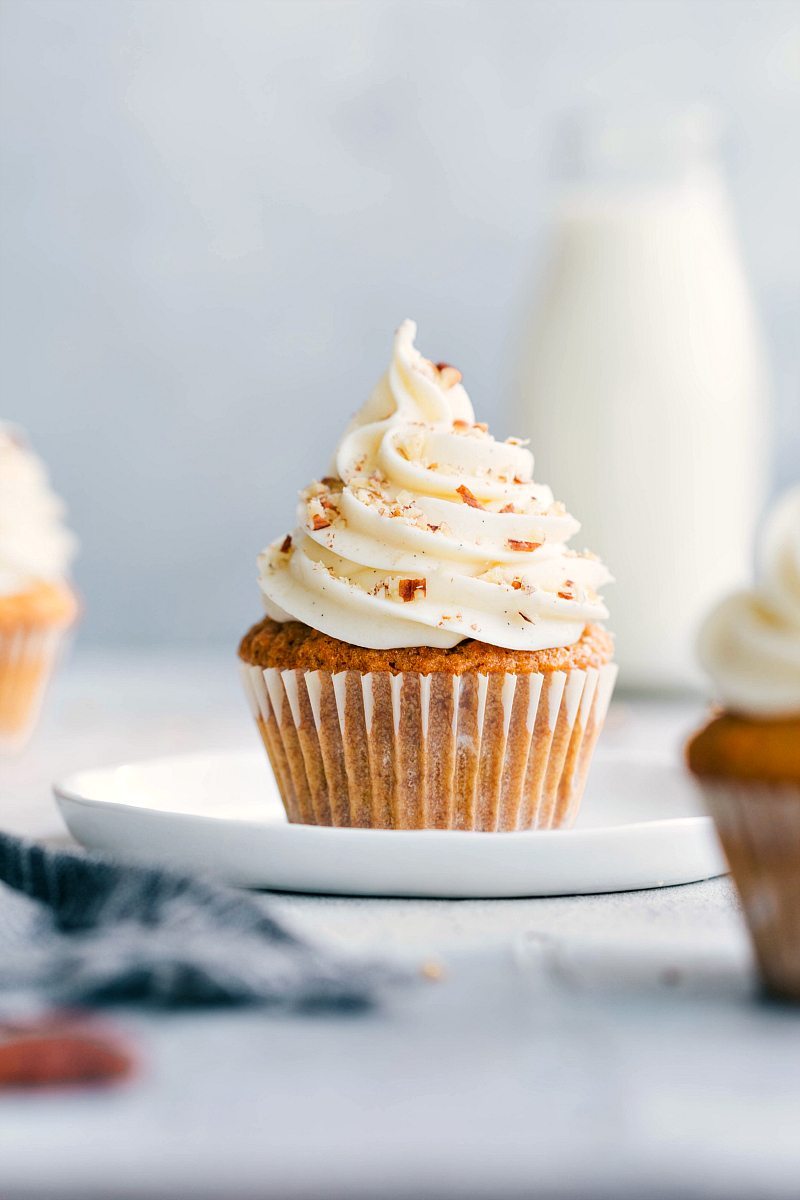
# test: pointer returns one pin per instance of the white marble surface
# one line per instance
(609, 1046)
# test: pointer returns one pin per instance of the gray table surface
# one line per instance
(593, 1047)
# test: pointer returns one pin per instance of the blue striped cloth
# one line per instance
(76, 929)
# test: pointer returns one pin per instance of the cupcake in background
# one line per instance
(37, 604)
(432, 656)
(747, 758)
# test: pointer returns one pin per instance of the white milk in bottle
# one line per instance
(643, 384)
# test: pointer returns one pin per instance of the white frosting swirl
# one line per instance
(750, 643)
(35, 546)
(431, 531)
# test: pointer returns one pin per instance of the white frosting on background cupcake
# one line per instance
(35, 545)
(750, 643)
(431, 531)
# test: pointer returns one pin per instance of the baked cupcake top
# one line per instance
(428, 532)
(291, 645)
(35, 545)
(750, 643)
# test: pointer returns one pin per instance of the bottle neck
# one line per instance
(635, 153)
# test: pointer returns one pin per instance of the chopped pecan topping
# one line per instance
(433, 466)
(528, 619)
(567, 593)
(516, 584)
(434, 528)
(448, 376)
(459, 424)
(318, 522)
(525, 547)
(508, 508)
(410, 587)
(484, 428)
(467, 496)
(331, 481)
(518, 479)
(286, 544)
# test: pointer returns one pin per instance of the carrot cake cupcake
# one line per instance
(747, 757)
(37, 604)
(432, 654)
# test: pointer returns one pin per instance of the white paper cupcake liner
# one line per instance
(28, 656)
(411, 751)
(759, 827)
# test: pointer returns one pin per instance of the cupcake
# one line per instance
(431, 655)
(37, 605)
(747, 757)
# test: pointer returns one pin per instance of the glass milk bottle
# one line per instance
(643, 386)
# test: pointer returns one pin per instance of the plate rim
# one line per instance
(65, 792)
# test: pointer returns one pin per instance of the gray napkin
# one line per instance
(76, 929)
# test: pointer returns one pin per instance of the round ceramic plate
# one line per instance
(639, 827)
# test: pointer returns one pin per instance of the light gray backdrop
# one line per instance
(214, 214)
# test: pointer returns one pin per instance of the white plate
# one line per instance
(640, 827)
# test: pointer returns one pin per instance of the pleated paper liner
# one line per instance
(438, 751)
(27, 659)
(759, 827)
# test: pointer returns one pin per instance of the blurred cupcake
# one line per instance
(431, 655)
(747, 757)
(37, 605)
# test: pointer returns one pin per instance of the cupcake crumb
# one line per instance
(432, 970)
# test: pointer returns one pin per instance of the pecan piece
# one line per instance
(409, 588)
(448, 376)
(52, 1057)
(467, 496)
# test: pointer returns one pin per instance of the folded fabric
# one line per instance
(76, 929)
